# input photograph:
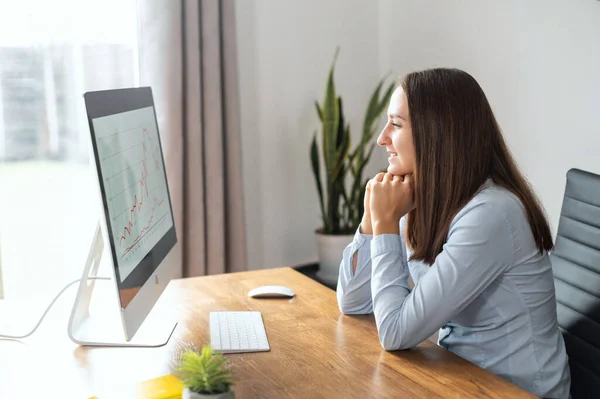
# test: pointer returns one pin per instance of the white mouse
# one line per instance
(271, 291)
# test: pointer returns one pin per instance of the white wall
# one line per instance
(285, 50)
(538, 62)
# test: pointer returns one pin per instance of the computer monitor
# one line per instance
(137, 220)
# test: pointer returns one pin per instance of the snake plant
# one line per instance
(341, 203)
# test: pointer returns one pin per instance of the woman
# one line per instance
(454, 212)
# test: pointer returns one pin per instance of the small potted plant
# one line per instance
(204, 375)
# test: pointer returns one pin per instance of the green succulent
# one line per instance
(342, 207)
(204, 372)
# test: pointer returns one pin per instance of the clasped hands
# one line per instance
(387, 199)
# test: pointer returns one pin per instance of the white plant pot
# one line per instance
(187, 394)
(331, 250)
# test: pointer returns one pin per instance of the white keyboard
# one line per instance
(234, 332)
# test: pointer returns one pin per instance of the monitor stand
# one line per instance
(104, 325)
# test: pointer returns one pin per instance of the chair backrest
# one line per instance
(576, 267)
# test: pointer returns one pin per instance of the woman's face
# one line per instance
(397, 137)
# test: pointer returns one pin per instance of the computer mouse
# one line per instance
(271, 291)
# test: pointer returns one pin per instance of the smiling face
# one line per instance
(397, 136)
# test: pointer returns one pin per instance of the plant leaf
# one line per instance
(341, 154)
(314, 159)
(330, 129)
(371, 108)
(375, 109)
(340, 130)
(386, 98)
(369, 153)
(319, 111)
(330, 113)
(356, 186)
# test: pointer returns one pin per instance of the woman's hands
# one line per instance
(387, 199)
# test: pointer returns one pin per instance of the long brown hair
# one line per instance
(458, 146)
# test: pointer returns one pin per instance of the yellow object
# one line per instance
(164, 387)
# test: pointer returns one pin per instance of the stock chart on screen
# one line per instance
(134, 183)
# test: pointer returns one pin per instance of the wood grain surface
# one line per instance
(316, 352)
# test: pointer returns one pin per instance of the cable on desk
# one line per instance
(48, 309)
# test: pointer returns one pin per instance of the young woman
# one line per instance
(454, 212)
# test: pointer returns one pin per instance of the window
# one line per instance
(51, 52)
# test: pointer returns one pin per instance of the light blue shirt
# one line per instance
(490, 292)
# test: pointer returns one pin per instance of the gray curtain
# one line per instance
(188, 55)
(213, 212)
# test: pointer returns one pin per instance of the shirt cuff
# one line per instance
(360, 238)
(386, 243)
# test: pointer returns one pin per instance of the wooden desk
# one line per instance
(315, 351)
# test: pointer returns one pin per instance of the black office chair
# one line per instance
(576, 266)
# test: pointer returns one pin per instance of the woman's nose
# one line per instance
(383, 139)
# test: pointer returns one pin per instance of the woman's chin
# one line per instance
(396, 171)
